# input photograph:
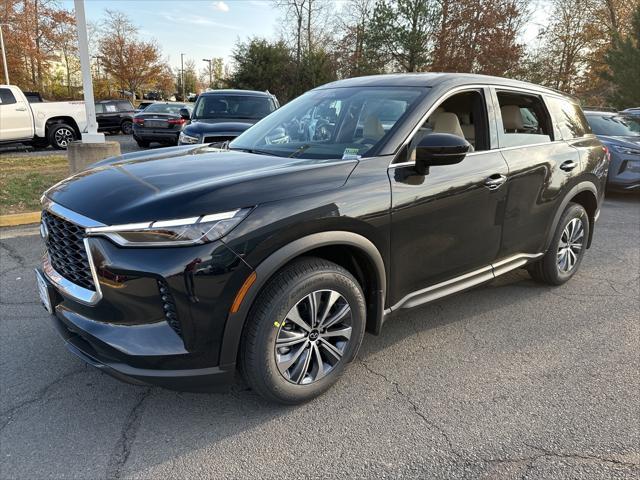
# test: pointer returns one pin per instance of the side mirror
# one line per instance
(184, 113)
(440, 149)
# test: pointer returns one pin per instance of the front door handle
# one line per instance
(21, 109)
(568, 165)
(495, 181)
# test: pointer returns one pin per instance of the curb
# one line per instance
(19, 219)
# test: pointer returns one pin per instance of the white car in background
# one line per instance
(39, 124)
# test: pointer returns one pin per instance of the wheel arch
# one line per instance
(62, 119)
(584, 193)
(350, 250)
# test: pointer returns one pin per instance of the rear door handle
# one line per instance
(568, 165)
(495, 181)
(21, 109)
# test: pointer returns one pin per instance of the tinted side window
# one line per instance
(99, 107)
(569, 118)
(525, 119)
(6, 97)
(124, 106)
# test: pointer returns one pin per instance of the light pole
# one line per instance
(210, 77)
(92, 135)
(184, 99)
(4, 55)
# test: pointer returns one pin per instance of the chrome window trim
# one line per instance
(460, 88)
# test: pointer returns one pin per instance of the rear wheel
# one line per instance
(126, 127)
(60, 135)
(141, 143)
(305, 327)
(567, 248)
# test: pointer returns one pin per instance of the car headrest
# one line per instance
(511, 117)
(372, 128)
(448, 122)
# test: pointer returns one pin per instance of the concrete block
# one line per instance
(81, 155)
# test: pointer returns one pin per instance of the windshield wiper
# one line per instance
(299, 150)
(253, 150)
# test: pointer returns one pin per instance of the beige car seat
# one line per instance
(511, 118)
(372, 128)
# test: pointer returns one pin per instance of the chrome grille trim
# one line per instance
(64, 285)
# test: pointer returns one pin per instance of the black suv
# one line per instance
(222, 115)
(353, 202)
(115, 116)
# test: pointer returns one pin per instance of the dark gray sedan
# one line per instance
(160, 122)
(621, 135)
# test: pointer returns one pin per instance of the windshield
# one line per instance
(233, 106)
(613, 125)
(173, 108)
(331, 123)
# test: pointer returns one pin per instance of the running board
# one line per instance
(464, 282)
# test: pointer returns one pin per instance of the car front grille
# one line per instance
(67, 253)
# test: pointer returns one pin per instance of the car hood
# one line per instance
(631, 142)
(191, 181)
(197, 127)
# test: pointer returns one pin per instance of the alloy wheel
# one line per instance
(570, 245)
(313, 337)
(64, 136)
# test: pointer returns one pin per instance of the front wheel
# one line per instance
(305, 327)
(61, 135)
(567, 248)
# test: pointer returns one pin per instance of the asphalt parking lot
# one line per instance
(510, 380)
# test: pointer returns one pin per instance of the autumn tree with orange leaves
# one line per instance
(134, 65)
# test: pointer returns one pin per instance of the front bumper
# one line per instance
(126, 332)
(111, 361)
(624, 174)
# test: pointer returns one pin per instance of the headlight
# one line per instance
(188, 139)
(626, 150)
(170, 233)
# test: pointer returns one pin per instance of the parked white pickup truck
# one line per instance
(39, 124)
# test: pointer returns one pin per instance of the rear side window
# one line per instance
(525, 119)
(6, 97)
(569, 117)
(110, 108)
(124, 106)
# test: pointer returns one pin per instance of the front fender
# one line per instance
(265, 270)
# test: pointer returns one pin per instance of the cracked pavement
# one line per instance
(511, 380)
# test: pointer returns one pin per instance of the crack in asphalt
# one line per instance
(14, 255)
(416, 409)
(122, 449)
(40, 395)
(527, 461)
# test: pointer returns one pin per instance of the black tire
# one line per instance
(141, 143)
(549, 269)
(126, 127)
(286, 290)
(60, 135)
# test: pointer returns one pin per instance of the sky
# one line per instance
(210, 28)
(199, 29)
